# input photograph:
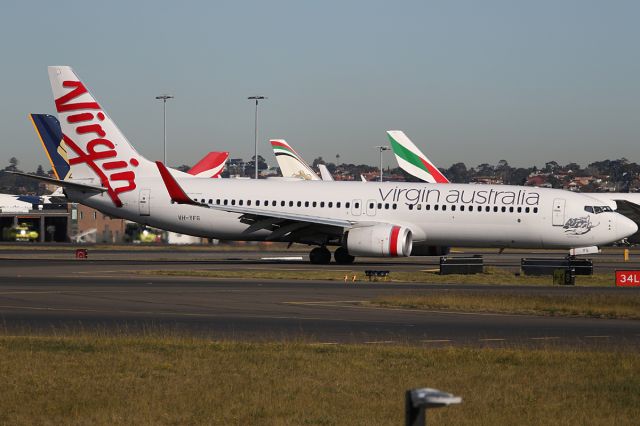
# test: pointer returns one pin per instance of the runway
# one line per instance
(49, 295)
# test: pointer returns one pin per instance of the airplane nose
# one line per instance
(625, 227)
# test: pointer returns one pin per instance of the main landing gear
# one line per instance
(322, 256)
(342, 256)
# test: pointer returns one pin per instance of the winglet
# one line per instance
(176, 192)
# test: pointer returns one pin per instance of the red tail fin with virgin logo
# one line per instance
(99, 154)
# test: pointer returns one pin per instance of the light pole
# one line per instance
(382, 148)
(255, 135)
(164, 114)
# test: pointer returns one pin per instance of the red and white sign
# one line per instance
(627, 278)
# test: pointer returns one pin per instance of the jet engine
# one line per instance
(378, 241)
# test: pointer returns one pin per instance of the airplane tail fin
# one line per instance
(412, 160)
(290, 163)
(325, 173)
(99, 153)
(48, 130)
(211, 165)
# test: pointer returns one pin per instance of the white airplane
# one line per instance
(377, 219)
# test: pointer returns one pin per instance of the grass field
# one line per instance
(94, 379)
(622, 306)
(492, 275)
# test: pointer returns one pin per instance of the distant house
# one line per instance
(538, 180)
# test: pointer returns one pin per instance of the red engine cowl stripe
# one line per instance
(393, 241)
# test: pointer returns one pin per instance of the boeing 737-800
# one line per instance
(376, 219)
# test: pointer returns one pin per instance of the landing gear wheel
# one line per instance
(320, 256)
(342, 256)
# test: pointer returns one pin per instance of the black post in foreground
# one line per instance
(418, 400)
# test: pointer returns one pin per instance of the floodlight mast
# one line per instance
(164, 99)
(255, 134)
(382, 148)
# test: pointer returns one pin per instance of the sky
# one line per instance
(470, 81)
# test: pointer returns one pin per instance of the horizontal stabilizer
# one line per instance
(63, 183)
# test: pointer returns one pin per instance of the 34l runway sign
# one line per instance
(628, 278)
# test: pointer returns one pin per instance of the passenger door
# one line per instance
(557, 218)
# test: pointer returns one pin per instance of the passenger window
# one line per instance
(495, 209)
(419, 206)
(453, 208)
(410, 206)
(435, 207)
(314, 203)
(225, 202)
(306, 204)
(240, 202)
(290, 203)
(202, 201)
(504, 209)
(282, 203)
(371, 205)
(266, 203)
(487, 209)
(322, 204)
(338, 204)
(248, 202)
(427, 207)
(299, 204)
(347, 204)
(535, 210)
(519, 209)
(461, 208)
(386, 206)
(258, 203)
(330, 204)
(394, 206)
(210, 201)
(357, 205)
(444, 207)
(511, 209)
(470, 208)
(526, 210)
(274, 203)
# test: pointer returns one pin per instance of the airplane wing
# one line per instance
(290, 163)
(179, 196)
(63, 183)
(324, 173)
(412, 160)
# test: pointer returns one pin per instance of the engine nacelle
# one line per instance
(379, 241)
(421, 249)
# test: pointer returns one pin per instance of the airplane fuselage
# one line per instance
(464, 215)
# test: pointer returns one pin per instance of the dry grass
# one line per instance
(492, 275)
(622, 306)
(146, 380)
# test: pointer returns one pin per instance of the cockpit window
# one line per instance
(598, 209)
